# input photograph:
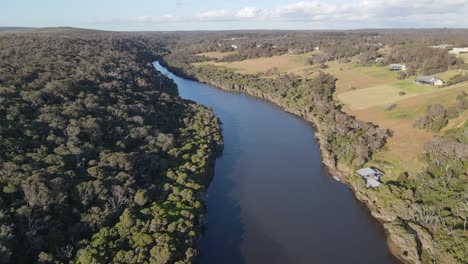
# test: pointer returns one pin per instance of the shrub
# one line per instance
(401, 75)
(401, 92)
(389, 107)
(434, 119)
(461, 95)
(323, 66)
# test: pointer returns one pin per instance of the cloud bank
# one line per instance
(442, 13)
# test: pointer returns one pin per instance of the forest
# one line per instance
(101, 161)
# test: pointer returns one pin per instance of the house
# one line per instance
(234, 46)
(397, 67)
(371, 175)
(316, 48)
(379, 59)
(429, 80)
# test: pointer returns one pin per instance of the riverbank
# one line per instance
(339, 169)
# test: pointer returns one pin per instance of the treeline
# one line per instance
(101, 161)
(423, 59)
(343, 139)
(363, 46)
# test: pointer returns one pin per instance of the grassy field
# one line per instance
(349, 75)
(407, 142)
(365, 91)
(285, 64)
(464, 57)
(382, 94)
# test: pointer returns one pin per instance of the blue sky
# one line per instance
(238, 14)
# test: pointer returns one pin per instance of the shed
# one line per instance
(430, 80)
(397, 67)
(371, 175)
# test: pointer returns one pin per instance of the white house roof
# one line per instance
(367, 171)
(371, 182)
(427, 79)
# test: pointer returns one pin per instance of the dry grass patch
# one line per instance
(404, 147)
(284, 63)
(351, 77)
(379, 95)
(407, 143)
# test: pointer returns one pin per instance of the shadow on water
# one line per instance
(223, 234)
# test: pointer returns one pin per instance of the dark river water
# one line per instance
(271, 199)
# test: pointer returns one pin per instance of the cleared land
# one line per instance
(365, 91)
(407, 142)
(285, 64)
(349, 75)
(383, 94)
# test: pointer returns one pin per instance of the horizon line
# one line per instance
(237, 29)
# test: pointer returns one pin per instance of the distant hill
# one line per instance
(14, 28)
(52, 30)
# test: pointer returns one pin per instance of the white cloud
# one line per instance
(361, 13)
(249, 12)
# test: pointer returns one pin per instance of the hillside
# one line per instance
(14, 28)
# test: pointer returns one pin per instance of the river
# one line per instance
(271, 199)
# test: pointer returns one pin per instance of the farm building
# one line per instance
(397, 67)
(371, 175)
(430, 80)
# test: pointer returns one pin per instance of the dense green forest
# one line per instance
(101, 161)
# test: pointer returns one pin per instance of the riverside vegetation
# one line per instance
(101, 161)
(424, 214)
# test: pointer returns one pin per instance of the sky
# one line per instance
(137, 15)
